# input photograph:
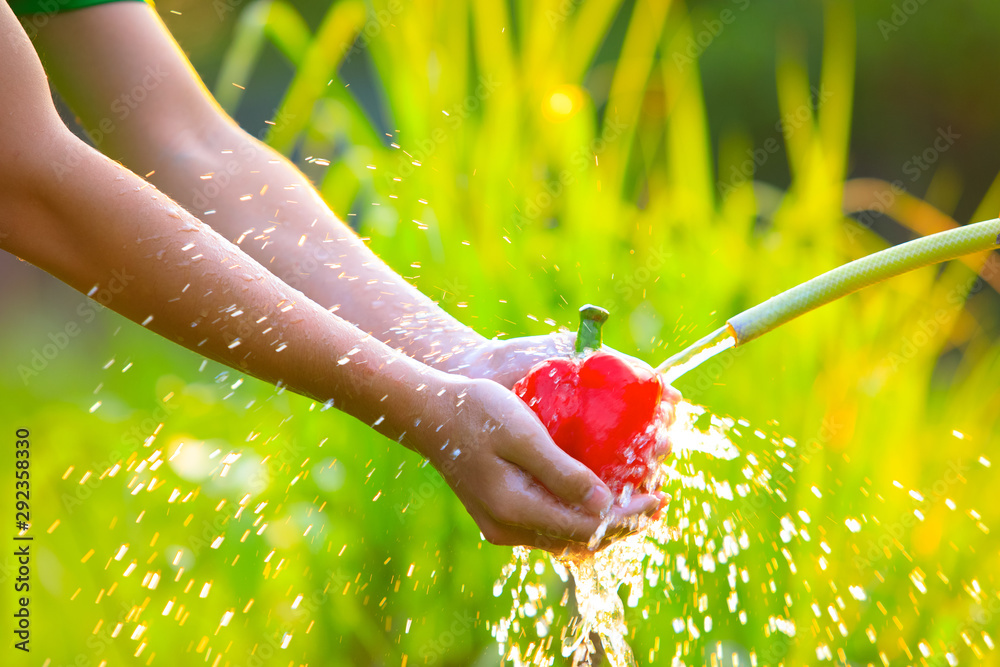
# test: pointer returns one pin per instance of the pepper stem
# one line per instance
(589, 335)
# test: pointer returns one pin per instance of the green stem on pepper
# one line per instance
(589, 335)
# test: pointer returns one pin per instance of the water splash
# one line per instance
(766, 554)
(735, 571)
(598, 577)
(696, 354)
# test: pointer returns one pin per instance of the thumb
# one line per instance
(565, 477)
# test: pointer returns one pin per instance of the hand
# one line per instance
(517, 485)
(507, 361)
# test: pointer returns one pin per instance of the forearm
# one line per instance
(93, 222)
(259, 200)
(102, 227)
(171, 127)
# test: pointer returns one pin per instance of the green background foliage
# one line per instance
(512, 209)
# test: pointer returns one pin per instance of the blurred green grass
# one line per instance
(525, 183)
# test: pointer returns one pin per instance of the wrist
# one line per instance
(449, 405)
(460, 353)
(473, 358)
(418, 402)
(507, 361)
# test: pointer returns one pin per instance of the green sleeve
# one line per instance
(22, 7)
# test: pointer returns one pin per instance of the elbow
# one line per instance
(35, 157)
(194, 161)
(175, 145)
(42, 174)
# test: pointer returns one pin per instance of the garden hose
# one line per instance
(834, 284)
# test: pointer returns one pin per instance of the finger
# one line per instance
(639, 504)
(565, 477)
(559, 531)
(526, 505)
(519, 501)
(515, 536)
(634, 516)
(509, 535)
(501, 532)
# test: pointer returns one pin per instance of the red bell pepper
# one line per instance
(601, 409)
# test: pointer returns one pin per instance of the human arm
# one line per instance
(100, 222)
(138, 97)
(142, 102)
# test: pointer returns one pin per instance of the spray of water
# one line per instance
(732, 572)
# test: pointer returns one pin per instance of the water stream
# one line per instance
(737, 571)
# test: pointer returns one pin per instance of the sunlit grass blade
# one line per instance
(835, 97)
(797, 113)
(274, 20)
(589, 26)
(632, 72)
(689, 153)
(332, 41)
